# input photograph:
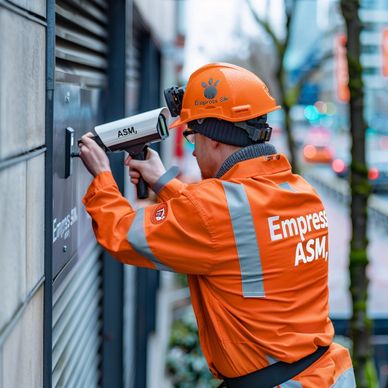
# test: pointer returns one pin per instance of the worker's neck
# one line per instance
(224, 151)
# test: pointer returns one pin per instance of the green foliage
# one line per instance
(371, 379)
(355, 68)
(181, 280)
(186, 364)
(360, 305)
(371, 374)
(359, 168)
(363, 188)
(292, 95)
(358, 256)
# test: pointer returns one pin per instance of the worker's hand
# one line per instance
(93, 156)
(150, 169)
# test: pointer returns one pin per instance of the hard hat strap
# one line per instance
(258, 130)
(241, 134)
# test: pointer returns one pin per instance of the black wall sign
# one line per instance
(79, 109)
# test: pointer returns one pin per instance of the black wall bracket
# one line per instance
(69, 145)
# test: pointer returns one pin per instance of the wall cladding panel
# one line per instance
(23, 349)
(13, 240)
(22, 86)
(36, 6)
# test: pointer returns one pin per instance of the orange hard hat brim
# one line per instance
(176, 123)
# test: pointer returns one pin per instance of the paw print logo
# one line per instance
(210, 88)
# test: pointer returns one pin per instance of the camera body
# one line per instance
(134, 133)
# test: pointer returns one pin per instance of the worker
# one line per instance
(251, 236)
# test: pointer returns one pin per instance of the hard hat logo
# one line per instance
(210, 89)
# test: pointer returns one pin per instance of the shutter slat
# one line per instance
(87, 24)
(69, 54)
(88, 7)
(91, 381)
(89, 362)
(90, 77)
(82, 42)
(102, 4)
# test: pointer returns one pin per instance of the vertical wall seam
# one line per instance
(48, 194)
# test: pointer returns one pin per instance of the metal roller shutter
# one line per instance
(81, 52)
(77, 321)
(82, 42)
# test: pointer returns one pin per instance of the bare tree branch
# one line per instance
(266, 26)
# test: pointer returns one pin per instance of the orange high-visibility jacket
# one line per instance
(254, 244)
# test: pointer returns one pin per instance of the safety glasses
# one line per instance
(189, 135)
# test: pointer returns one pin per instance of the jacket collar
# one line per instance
(254, 160)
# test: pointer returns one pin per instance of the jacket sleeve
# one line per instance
(172, 235)
(167, 186)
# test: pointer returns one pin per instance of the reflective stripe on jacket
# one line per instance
(255, 247)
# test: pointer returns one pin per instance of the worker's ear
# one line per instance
(213, 143)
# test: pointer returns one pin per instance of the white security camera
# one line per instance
(133, 133)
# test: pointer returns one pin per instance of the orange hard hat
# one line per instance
(224, 91)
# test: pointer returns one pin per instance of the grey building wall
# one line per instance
(22, 166)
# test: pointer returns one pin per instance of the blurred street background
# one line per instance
(70, 316)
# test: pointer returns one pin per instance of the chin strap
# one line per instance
(258, 129)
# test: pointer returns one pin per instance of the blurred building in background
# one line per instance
(322, 118)
(70, 316)
(330, 83)
(374, 39)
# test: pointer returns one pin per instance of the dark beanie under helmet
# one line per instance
(225, 131)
